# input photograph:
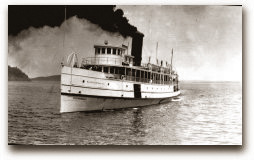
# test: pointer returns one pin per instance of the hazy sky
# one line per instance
(40, 51)
(207, 41)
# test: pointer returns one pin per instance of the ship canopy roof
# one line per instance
(109, 46)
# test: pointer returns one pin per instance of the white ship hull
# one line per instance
(86, 90)
(74, 103)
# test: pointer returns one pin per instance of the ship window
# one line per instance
(120, 71)
(103, 50)
(114, 51)
(105, 70)
(108, 50)
(97, 50)
(118, 51)
(128, 72)
(111, 70)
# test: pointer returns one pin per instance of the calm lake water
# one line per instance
(205, 113)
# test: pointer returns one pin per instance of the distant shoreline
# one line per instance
(47, 78)
(16, 74)
(202, 81)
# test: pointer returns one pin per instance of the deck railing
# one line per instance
(145, 78)
(102, 60)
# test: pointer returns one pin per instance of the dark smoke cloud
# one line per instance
(40, 51)
(22, 17)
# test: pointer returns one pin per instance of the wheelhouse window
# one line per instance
(114, 51)
(103, 50)
(97, 50)
(119, 51)
(108, 50)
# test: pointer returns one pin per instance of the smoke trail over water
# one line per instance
(40, 51)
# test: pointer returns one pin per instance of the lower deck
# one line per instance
(78, 81)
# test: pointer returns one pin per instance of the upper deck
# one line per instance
(117, 64)
(109, 55)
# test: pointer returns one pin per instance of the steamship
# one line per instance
(114, 79)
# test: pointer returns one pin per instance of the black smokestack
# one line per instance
(137, 43)
(22, 17)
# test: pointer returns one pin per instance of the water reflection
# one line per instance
(137, 125)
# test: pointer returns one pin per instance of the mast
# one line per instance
(64, 25)
(171, 60)
(157, 52)
(65, 13)
(128, 48)
(64, 34)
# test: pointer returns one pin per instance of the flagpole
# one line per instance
(156, 52)
(171, 59)
(64, 25)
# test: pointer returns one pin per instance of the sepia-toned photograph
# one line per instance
(124, 75)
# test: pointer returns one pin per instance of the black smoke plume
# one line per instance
(21, 17)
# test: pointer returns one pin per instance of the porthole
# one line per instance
(126, 85)
(83, 81)
(108, 84)
(79, 92)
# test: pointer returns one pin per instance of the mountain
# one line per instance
(48, 78)
(15, 74)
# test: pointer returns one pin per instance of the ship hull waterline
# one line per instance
(76, 102)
